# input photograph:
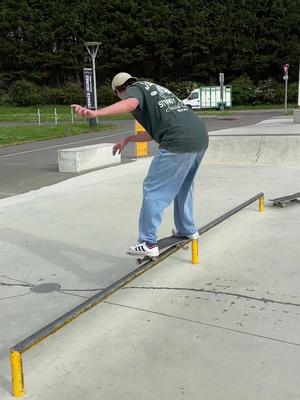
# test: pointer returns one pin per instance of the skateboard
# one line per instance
(164, 245)
(281, 201)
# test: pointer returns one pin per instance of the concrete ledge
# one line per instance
(85, 158)
(297, 116)
(254, 150)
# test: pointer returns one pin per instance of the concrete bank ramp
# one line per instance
(275, 141)
(254, 150)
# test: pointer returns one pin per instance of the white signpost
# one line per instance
(286, 78)
(221, 79)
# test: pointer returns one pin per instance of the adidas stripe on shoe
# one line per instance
(144, 249)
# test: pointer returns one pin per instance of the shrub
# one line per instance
(52, 95)
(24, 93)
(242, 90)
(269, 91)
(181, 88)
(105, 95)
(72, 93)
(293, 93)
(4, 98)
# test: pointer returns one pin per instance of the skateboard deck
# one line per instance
(282, 201)
(163, 245)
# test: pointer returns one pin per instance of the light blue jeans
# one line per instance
(170, 177)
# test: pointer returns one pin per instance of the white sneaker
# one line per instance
(192, 236)
(144, 249)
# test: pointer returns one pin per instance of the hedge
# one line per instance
(244, 92)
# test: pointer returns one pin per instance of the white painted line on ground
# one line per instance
(63, 145)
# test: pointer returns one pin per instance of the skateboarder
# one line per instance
(183, 140)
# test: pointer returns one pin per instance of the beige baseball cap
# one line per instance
(120, 79)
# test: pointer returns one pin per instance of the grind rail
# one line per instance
(17, 350)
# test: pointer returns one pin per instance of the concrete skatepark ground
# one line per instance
(228, 328)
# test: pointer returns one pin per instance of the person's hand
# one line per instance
(83, 111)
(118, 147)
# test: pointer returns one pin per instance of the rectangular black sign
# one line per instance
(89, 88)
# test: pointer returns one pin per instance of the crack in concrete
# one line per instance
(237, 295)
(14, 284)
(205, 324)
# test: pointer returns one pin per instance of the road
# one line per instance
(31, 166)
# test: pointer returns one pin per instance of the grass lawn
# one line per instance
(30, 114)
(10, 135)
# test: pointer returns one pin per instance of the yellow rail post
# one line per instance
(141, 147)
(261, 204)
(195, 254)
(17, 374)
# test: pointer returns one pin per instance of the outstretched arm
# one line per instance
(121, 107)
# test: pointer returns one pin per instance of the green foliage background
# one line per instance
(178, 43)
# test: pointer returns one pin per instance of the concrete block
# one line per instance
(297, 116)
(79, 159)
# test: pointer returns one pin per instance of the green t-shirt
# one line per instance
(167, 120)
